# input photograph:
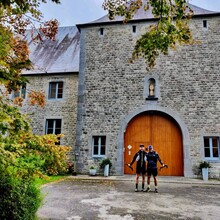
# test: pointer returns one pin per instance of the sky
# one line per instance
(72, 12)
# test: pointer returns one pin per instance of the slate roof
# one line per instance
(62, 55)
(145, 15)
(59, 56)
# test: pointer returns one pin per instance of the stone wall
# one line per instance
(110, 88)
(65, 108)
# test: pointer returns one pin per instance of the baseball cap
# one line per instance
(141, 145)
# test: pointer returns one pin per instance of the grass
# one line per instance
(49, 179)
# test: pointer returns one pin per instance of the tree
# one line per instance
(23, 155)
(16, 138)
(16, 17)
(171, 28)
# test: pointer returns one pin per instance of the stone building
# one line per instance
(106, 106)
(55, 72)
(118, 109)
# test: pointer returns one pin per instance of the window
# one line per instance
(134, 29)
(55, 90)
(53, 126)
(101, 31)
(19, 93)
(99, 146)
(205, 24)
(211, 147)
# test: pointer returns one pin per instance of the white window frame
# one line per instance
(20, 93)
(210, 138)
(99, 146)
(56, 95)
(54, 124)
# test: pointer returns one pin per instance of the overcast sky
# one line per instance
(71, 12)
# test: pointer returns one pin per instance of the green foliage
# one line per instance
(23, 6)
(48, 179)
(28, 153)
(16, 16)
(104, 162)
(23, 157)
(22, 154)
(55, 157)
(20, 199)
(11, 121)
(204, 164)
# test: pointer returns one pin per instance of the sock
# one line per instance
(136, 186)
(148, 186)
(155, 187)
(142, 185)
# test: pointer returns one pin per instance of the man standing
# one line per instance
(152, 158)
(140, 157)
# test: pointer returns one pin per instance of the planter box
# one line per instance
(205, 174)
(92, 172)
(106, 170)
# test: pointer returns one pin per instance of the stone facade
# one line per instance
(53, 62)
(64, 109)
(109, 91)
(112, 90)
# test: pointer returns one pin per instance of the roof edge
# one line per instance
(138, 20)
(49, 73)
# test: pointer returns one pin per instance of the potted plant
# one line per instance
(106, 165)
(204, 167)
(71, 169)
(92, 171)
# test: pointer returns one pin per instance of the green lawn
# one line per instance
(49, 179)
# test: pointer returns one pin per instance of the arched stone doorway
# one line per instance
(187, 167)
(160, 130)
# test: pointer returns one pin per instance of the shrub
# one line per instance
(20, 199)
(55, 157)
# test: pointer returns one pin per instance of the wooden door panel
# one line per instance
(135, 136)
(163, 133)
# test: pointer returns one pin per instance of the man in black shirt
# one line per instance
(140, 157)
(152, 158)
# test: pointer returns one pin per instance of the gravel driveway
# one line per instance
(75, 199)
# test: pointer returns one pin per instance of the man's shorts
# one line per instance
(141, 170)
(152, 171)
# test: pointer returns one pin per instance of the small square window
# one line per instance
(211, 147)
(55, 90)
(98, 146)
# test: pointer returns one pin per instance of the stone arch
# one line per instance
(185, 134)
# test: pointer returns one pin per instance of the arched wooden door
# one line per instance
(161, 131)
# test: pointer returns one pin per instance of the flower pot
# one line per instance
(106, 170)
(205, 174)
(92, 172)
